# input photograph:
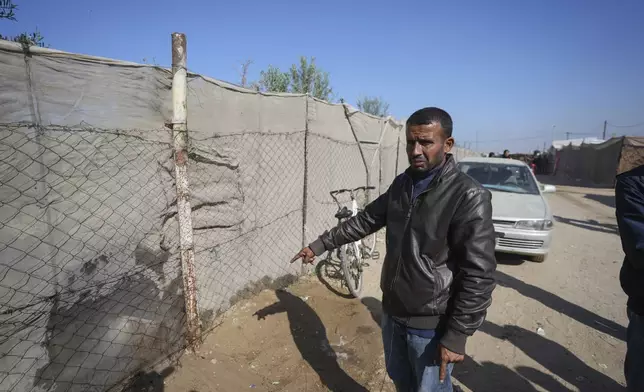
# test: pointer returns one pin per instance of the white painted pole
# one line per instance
(184, 210)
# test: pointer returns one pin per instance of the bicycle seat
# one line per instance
(344, 213)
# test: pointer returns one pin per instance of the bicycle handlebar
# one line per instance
(364, 188)
(334, 193)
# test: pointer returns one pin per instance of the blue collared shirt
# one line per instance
(421, 182)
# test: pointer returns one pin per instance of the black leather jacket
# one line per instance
(629, 203)
(439, 268)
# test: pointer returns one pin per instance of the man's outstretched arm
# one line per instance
(367, 221)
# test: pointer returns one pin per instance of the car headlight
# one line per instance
(538, 224)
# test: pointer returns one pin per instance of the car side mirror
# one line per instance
(549, 189)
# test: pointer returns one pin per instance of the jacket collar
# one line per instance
(448, 169)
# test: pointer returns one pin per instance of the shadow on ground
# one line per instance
(310, 337)
(560, 305)
(589, 224)
(152, 381)
(552, 356)
(329, 273)
(607, 200)
(491, 377)
(488, 376)
(374, 307)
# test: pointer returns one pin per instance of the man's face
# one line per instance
(427, 146)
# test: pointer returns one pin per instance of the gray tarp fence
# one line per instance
(90, 276)
(598, 164)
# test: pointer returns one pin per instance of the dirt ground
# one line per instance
(311, 337)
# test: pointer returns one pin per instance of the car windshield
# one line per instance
(501, 177)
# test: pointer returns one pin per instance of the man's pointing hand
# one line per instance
(306, 255)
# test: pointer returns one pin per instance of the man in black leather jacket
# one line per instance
(437, 278)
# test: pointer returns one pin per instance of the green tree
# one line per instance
(374, 105)
(309, 79)
(306, 78)
(7, 11)
(273, 80)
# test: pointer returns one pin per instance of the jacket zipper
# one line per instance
(413, 204)
(411, 209)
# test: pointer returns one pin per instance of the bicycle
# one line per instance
(352, 255)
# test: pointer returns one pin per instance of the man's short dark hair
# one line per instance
(432, 115)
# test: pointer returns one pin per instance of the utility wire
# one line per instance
(627, 126)
(523, 138)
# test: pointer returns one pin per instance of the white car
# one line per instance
(522, 218)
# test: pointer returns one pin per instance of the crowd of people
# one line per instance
(540, 161)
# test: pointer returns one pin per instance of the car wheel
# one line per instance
(539, 259)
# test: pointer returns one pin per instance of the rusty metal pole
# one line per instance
(184, 210)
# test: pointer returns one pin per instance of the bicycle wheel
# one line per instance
(369, 245)
(351, 269)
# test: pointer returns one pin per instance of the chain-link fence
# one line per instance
(88, 283)
(91, 283)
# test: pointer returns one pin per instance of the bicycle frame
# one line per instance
(357, 245)
(351, 255)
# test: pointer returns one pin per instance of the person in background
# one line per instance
(629, 203)
(438, 273)
(506, 153)
(536, 160)
(491, 155)
(544, 163)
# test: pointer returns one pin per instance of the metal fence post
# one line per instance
(305, 188)
(184, 210)
(347, 115)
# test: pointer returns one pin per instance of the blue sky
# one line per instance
(507, 71)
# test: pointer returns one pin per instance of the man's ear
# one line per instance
(449, 143)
